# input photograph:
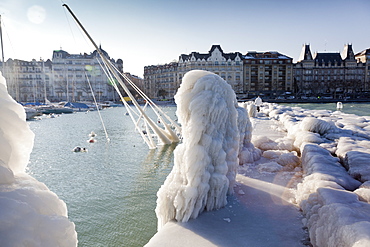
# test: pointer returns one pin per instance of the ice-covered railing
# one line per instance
(334, 200)
(214, 130)
(30, 214)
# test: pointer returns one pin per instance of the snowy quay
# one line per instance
(281, 176)
(321, 100)
(310, 186)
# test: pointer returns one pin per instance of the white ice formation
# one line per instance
(214, 128)
(30, 214)
(335, 192)
(247, 151)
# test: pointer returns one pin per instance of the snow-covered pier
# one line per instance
(284, 176)
(310, 187)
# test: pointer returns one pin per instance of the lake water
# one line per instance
(361, 109)
(110, 191)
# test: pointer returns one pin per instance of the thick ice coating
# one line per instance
(334, 194)
(205, 163)
(30, 214)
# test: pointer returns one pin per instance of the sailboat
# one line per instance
(167, 132)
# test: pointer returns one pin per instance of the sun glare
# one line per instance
(36, 14)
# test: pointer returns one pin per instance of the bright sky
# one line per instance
(147, 32)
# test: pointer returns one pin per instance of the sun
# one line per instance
(36, 14)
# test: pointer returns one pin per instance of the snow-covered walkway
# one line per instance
(260, 213)
(319, 198)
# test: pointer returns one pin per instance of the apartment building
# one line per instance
(268, 74)
(28, 80)
(229, 66)
(330, 74)
(162, 81)
(64, 78)
(271, 74)
(364, 58)
(72, 74)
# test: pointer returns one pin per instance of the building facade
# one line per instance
(330, 74)
(267, 73)
(72, 74)
(162, 81)
(28, 80)
(270, 74)
(229, 66)
(64, 78)
(364, 58)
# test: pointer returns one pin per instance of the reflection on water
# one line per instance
(162, 155)
(110, 191)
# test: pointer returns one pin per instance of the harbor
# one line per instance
(110, 191)
(190, 137)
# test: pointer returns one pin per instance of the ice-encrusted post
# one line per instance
(205, 163)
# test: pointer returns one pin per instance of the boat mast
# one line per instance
(158, 131)
(43, 78)
(2, 48)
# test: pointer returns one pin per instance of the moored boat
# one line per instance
(31, 113)
(49, 109)
(77, 106)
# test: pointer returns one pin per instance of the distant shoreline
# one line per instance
(312, 100)
(289, 101)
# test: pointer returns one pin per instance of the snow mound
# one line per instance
(334, 194)
(14, 154)
(355, 154)
(30, 215)
(269, 167)
(358, 165)
(250, 108)
(316, 160)
(363, 192)
(265, 143)
(283, 157)
(335, 215)
(317, 125)
(247, 152)
(337, 218)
